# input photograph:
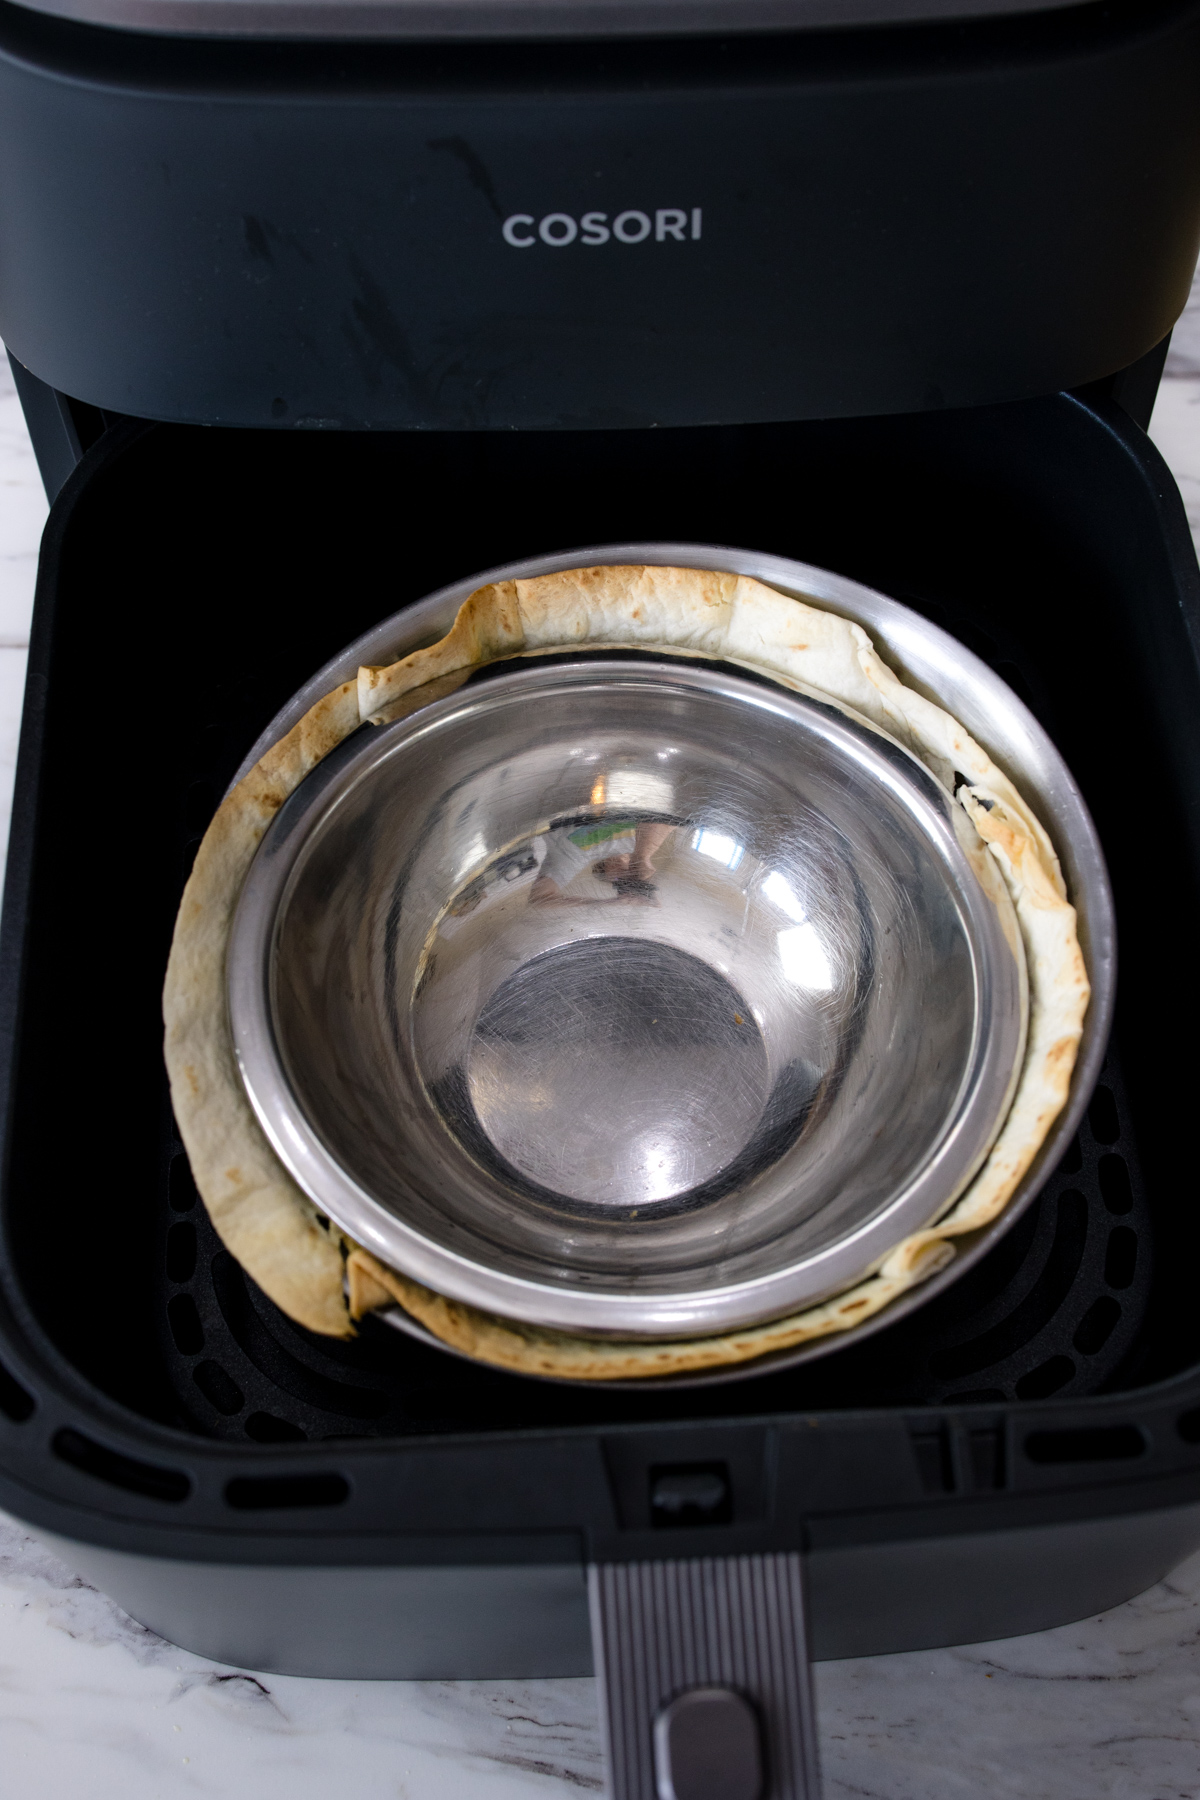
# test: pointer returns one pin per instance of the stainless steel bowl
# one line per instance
(625, 997)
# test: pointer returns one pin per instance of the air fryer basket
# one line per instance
(1034, 1431)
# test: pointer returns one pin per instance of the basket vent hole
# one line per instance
(181, 1189)
(15, 1403)
(185, 1325)
(1102, 1117)
(265, 1428)
(181, 1251)
(1120, 1259)
(218, 1388)
(1116, 1189)
(259, 1493)
(127, 1472)
(1188, 1426)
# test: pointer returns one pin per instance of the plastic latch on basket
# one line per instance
(703, 1670)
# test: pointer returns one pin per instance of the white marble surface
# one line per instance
(22, 515)
(94, 1707)
(1175, 426)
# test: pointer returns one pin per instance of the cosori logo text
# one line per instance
(669, 224)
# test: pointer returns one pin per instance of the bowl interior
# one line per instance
(628, 980)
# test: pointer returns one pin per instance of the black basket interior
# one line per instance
(195, 578)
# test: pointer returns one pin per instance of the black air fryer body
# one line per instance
(873, 260)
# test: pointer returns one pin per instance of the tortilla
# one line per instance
(322, 1278)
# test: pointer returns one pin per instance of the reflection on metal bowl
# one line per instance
(630, 997)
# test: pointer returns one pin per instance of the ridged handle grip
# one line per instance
(728, 1633)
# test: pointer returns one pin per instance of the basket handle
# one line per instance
(705, 1686)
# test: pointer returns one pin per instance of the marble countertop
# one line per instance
(95, 1707)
